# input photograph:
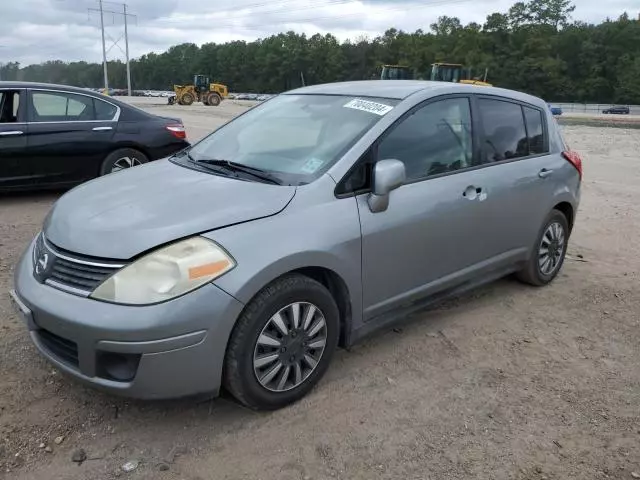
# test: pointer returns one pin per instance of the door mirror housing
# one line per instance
(387, 176)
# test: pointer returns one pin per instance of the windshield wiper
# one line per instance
(238, 167)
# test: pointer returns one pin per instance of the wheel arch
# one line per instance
(340, 293)
(324, 272)
(567, 210)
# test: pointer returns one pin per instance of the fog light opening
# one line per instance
(121, 367)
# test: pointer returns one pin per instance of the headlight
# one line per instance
(168, 272)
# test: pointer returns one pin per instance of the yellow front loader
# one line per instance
(202, 90)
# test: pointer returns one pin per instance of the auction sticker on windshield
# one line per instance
(368, 106)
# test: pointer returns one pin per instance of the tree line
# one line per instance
(535, 47)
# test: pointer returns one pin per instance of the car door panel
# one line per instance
(437, 229)
(522, 174)
(66, 142)
(15, 167)
(431, 238)
(69, 151)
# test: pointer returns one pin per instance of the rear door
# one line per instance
(70, 134)
(15, 169)
(522, 175)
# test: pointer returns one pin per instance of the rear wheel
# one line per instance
(549, 252)
(282, 343)
(187, 99)
(122, 159)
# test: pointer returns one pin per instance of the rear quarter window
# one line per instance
(104, 110)
(535, 131)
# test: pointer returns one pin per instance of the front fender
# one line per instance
(326, 235)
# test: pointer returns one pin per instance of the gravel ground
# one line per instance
(509, 382)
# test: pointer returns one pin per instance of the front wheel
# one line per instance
(214, 99)
(549, 251)
(282, 343)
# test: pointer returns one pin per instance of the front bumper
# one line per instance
(173, 349)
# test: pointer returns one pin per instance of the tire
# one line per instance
(535, 272)
(214, 99)
(247, 359)
(187, 99)
(123, 158)
(205, 100)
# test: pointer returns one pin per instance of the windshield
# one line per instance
(294, 137)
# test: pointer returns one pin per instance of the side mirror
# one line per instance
(387, 176)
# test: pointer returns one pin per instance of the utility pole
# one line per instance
(104, 51)
(126, 43)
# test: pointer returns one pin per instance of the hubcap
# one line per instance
(125, 162)
(290, 346)
(551, 249)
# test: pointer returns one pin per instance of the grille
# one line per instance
(77, 275)
(63, 349)
(71, 272)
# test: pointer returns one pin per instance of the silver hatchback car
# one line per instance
(304, 224)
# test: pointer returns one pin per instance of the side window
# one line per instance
(535, 131)
(104, 110)
(435, 139)
(505, 134)
(61, 107)
(360, 177)
(9, 106)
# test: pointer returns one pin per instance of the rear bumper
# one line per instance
(168, 350)
(158, 153)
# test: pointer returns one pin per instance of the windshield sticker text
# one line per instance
(368, 106)
(312, 165)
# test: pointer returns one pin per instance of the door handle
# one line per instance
(11, 133)
(102, 129)
(544, 173)
(473, 193)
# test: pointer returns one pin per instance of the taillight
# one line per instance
(177, 130)
(574, 159)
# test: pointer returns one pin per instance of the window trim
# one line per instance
(115, 118)
(521, 104)
(22, 107)
(545, 137)
(373, 149)
(478, 135)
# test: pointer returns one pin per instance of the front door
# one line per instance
(15, 168)
(434, 234)
(70, 134)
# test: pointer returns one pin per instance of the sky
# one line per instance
(34, 31)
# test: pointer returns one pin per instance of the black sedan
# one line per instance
(620, 110)
(58, 136)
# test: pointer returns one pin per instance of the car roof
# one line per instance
(66, 88)
(49, 86)
(402, 89)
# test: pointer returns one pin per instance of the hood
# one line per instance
(123, 214)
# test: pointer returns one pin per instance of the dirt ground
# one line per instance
(510, 382)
